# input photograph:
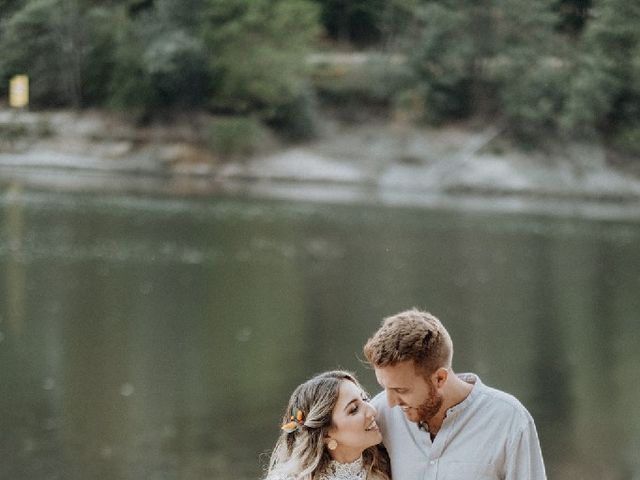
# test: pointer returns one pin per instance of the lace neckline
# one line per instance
(345, 471)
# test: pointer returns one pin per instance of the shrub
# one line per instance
(353, 86)
(532, 97)
(236, 136)
(297, 119)
(627, 139)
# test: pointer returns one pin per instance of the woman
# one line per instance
(329, 433)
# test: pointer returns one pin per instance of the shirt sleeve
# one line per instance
(524, 457)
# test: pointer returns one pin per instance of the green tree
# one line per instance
(454, 41)
(160, 61)
(98, 55)
(44, 26)
(64, 46)
(531, 67)
(257, 52)
(490, 57)
(605, 86)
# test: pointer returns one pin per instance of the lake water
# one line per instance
(159, 336)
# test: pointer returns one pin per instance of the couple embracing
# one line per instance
(427, 424)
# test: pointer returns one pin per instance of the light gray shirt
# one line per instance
(489, 435)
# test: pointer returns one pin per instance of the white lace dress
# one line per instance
(344, 471)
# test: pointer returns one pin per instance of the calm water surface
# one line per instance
(148, 337)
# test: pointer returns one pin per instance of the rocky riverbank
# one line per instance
(382, 158)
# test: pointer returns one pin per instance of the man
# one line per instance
(437, 425)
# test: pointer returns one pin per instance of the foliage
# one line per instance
(446, 63)
(366, 22)
(98, 58)
(12, 131)
(7, 7)
(298, 119)
(375, 82)
(572, 15)
(257, 60)
(356, 21)
(43, 26)
(258, 49)
(532, 100)
(15, 133)
(146, 56)
(532, 77)
(505, 63)
(627, 139)
(545, 66)
(158, 64)
(605, 86)
(236, 136)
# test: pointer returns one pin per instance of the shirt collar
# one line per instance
(476, 391)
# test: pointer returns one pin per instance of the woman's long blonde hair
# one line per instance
(302, 455)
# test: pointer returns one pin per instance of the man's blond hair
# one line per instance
(411, 335)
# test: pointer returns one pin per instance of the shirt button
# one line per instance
(432, 462)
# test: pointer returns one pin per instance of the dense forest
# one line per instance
(567, 68)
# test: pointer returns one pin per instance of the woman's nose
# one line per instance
(372, 410)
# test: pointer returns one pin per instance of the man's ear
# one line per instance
(440, 376)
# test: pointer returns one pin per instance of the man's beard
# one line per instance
(431, 406)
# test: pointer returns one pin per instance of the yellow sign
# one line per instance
(19, 91)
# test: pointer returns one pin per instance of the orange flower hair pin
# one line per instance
(296, 421)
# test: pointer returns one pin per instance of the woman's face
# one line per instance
(353, 423)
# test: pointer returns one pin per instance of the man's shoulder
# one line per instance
(379, 400)
(380, 404)
(506, 403)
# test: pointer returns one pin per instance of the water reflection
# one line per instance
(160, 338)
(14, 271)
